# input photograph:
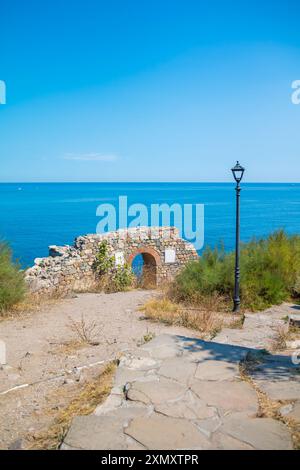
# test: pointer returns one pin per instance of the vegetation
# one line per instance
(91, 395)
(270, 273)
(104, 261)
(112, 278)
(12, 286)
(122, 278)
(206, 321)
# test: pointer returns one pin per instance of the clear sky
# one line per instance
(149, 90)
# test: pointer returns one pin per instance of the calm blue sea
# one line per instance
(35, 215)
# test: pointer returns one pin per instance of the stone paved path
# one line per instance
(177, 392)
(259, 329)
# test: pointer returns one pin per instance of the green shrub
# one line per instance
(12, 286)
(270, 273)
(111, 278)
(104, 261)
(122, 279)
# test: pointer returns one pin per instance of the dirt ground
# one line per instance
(47, 362)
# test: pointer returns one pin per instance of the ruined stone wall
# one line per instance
(70, 268)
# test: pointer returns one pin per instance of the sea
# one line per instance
(36, 215)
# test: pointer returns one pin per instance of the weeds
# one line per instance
(280, 338)
(122, 279)
(86, 330)
(164, 311)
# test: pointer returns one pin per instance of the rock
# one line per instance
(285, 390)
(96, 433)
(38, 261)
(294, 319)
(217, 370)
(111, 403)
(160, 432)
(138, 363)
(189, 407)
(293, 344)
(181, 371)
(260, 433)
(125, 375)
(163, 347)
(295, 412)
(155, 392)
(286, 409)
(222, 441)
(229, 396)
(16, 445)
(209, 425)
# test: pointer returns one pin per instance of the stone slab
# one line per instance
(295, 412)
(96, 433)
(285, 390)
(188, 407)
(217, 370)
(228, 396)
(222, 441)
(155, 392)
(160, 432)
(180, 370)
(260, 433)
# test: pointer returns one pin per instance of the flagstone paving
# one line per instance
(177, 392)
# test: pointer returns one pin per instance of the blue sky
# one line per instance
(160, 90)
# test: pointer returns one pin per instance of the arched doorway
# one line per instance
(144, 263)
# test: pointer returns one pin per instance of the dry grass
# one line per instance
(91, 395)
(164, 311)
(148, 278)
(68, 347)
(213, 302)
(269, 408)
(282, 335)
(30, 304)
(86, 331)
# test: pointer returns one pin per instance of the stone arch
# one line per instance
(146, 251)
(70, 268)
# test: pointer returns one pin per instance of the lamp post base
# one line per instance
(236, 306)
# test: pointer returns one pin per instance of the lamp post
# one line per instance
(237, 172)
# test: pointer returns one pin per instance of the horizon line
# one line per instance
(147, 182)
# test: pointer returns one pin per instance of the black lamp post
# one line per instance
(237, 172)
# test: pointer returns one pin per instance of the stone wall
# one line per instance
(70, 268)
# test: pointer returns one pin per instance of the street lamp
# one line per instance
(237, 172)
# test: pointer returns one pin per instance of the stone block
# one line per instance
(160, 432)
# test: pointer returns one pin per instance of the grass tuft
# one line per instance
(165, 311)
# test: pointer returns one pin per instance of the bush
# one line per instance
(111, 278)
(270, 273)
(12, 286)
(104, 261)
(122, 279)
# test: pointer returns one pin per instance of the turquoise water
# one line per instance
(35, 215)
